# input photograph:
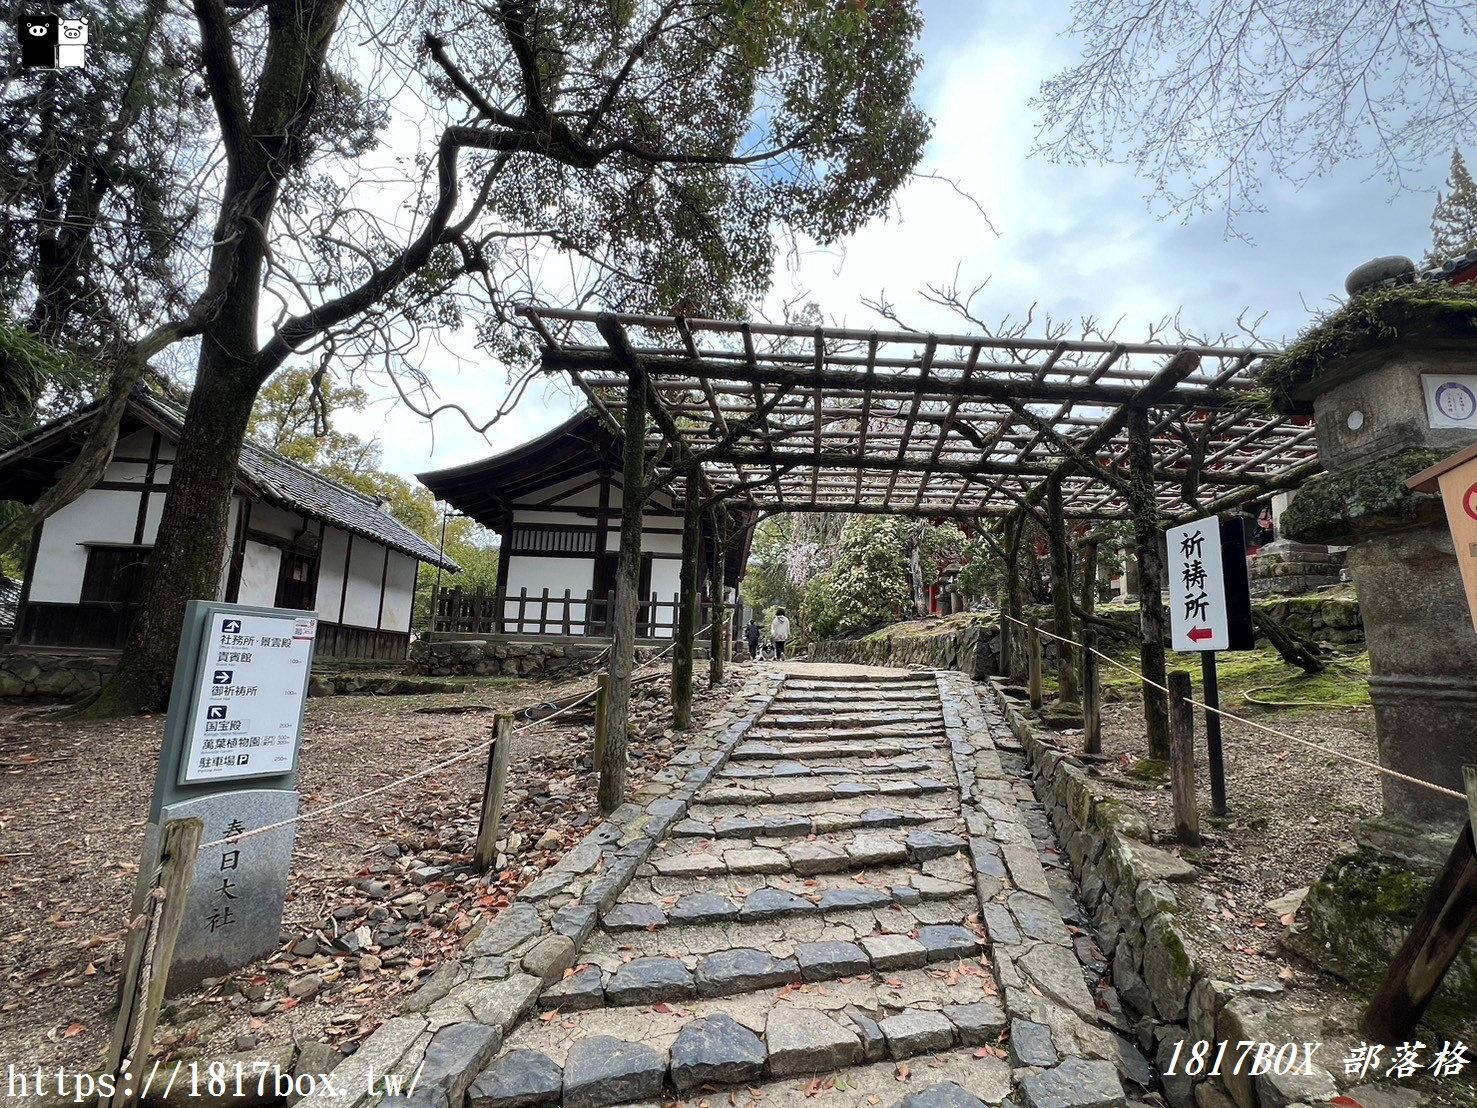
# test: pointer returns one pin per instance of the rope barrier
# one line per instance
(1351, 758)
(460, 756)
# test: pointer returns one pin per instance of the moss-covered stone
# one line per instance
(1343, 507)
(1365, 324)
(1355, 919)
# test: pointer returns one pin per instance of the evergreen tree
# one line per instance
(1454, 220)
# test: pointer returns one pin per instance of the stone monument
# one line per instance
(1387, 378)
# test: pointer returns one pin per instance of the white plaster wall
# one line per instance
(666, 574)
(366, 568)
(555, 574)
(586, 498)
(260, 567)
(331, 572)
(271, 520)
(98, 515)
(399, 592)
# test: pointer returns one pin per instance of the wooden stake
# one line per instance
(1033, 660)
(687, 613)
(498, 754)
(1061, 594)
(1147, 537)
(1092, 719)
(1182, 759)
(147, 958)
(718, 628)
(602, 697)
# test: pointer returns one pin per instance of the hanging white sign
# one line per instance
(1199, 618)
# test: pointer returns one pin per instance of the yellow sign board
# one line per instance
(1456, 479)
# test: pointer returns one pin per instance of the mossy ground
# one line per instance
(1261, 673)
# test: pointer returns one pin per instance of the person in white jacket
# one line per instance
(779, 632)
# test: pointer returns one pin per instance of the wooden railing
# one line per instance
(544, 612)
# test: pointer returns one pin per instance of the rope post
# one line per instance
(1033, 660)
(147, 959)
(1092, 707)
(498, 754)
(1209, 679)
(602, 694)
(1182, 759)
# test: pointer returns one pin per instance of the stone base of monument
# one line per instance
(234, 911)
(1356, 916)
(1293, 568)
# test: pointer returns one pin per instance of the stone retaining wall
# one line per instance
(483, 658)
(970, 642)
(1144, 903)
(64, 675)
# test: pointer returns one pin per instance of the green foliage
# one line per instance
(868, 583)
(940, 544)
(1363, 324)
(767, 581)
(1454, 220)
(29, 368)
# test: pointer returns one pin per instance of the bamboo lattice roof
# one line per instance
(787, 418)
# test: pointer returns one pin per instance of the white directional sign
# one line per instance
(1198, 614)
(248, 708)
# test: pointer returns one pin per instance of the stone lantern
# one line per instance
(1391, 380)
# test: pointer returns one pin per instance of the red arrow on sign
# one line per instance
(1198, 633)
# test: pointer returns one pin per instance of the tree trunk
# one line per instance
(1089, 577)
(1146, 535)
(687, 614)
(1067, 675)
(193, 532)
(627, 585)
(1017, 649)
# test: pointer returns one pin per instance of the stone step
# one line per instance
(918, 680)
(733, 971)
(810, 790)
(813, 699)
(600, 1057)
(910, 732)
(674, 902)
(877, 748)
(776, 768)
(724, 824)
(807, 857)
(851, 718)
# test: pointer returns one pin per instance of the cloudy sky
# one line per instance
(1073, 241)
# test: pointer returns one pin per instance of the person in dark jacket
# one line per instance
(751, 635)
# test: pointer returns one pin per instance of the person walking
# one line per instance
(779, 632)
(751, 635)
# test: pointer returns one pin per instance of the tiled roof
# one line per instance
(290, 485)
(1456, 270)
(10, 599)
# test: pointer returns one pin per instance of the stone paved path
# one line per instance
(852, 912)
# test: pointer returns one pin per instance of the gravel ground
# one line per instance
(72, 811)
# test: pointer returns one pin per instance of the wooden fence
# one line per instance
(523, 612)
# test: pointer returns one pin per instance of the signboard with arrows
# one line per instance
(245, 718)
(1209, 590)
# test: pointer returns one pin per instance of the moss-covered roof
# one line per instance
(1365, 323)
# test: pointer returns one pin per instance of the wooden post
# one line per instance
(1147, 535)
(602, 698)
(1089, 576)
(717, 634)
(1448, 917)
(1033, 660)
(146, 961)
(634, 492)
(1182, 759)
(1014, 646)
(1092, 705)
(1061, 594)
(687, 610)
(492, 797)
(567, 595)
